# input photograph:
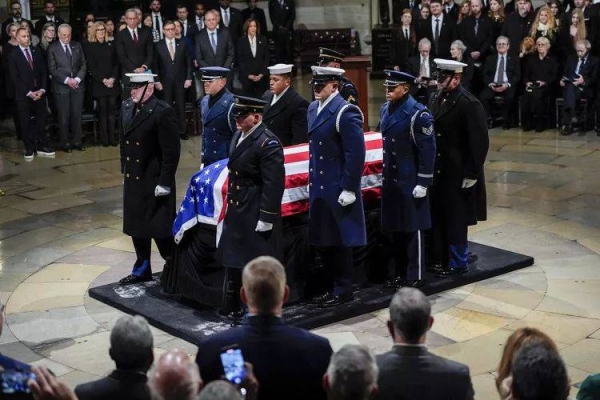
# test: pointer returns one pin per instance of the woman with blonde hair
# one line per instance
(544, 25)
(518, 339)
(464, 11)
(496, 14)
(570, 34)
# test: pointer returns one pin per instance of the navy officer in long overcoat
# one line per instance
(336, 162)
(462, 145)
(255, 187)
(218, 122)
(408, 160)
(150, 150)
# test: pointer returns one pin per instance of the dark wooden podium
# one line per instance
(356, 71)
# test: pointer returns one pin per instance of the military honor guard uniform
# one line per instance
(218, 122)
(256, 183)
(336, 162)
(408, 162)
(150, 149)
(332, 58)
(462, 145)
(285, 111)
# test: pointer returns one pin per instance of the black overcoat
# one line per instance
(462, 144)
(254, 191)
(150, 150)
(287, 117)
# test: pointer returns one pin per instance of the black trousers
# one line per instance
(408, 249)
(143, 249)
(232, 283)
(338, 262)
(448, 235)
(107, 114)
(255, 89)
(32, 121)
(174, 95)
(70, 109)
(487, 97)
(284, 46)
(571, 96)
(535, 103)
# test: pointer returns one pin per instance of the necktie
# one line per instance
(476, 25)
(172, 50)
(68, 52)
(406, 33)
(579, 65)
(213, 42)
(226, 17)
(135, 38)
(29, 59)
(411, 4)
(500, 72)
(423, 70)
(157, 26)
(436, 37)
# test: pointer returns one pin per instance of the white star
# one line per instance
(206, 200)
(206, 172)
(197, 179)
(201, 190)
(181, 209)
(208, 181)
(217, 165)
(192, 188)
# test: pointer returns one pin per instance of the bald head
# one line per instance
(175, 377)
(263, 285)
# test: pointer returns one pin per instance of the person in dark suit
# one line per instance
(283, 14)
(501, 77)
(197, 19)
(104, 71)
(173, 66)
(285, 111)
(289, 362)
(352, 374)
(16, 10)
(254, 12)
(157, 19)
(408, 157)
(337, 219)
(214, 47)
(8, 92)
(517, 25)
(452, 9)
(67, 65)
(149, 158)
(253, 49)
(186, 23)
(404, 42)
(409, 370)
(135, 49)
(476, 32)
(231, 18)
(49, 16)
(462, 144)
(578, 81)
(131, 349)
(252, 225)
(218, 122)
(422, 66)
(28, 73)
(440, 30)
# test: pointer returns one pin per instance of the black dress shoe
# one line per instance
(131, 279)
(321, 298)
(337, 300)
(417, 283)
(184, 136)
(395, 283)
(452, 272)
(471, 258)
(78, 147)
(435, 268)
(66, 148)
(490, 124)
(505, 126)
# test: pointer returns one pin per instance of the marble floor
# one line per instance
(60, 233)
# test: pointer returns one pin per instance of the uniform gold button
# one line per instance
(127, 158)
(310, 184)
(393, 153)
(137, 143)
(439, 134)
(236, 173)
(128, 175)
(322, 187)
(310, 141)
(394, 167)
(439, 172)
(127, 142)
(439, 155)
(393, 140)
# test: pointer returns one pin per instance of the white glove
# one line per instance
(263, 226)
(467, 183)
(419, 191)
(161, 191)
(201, 166)
(346, 198)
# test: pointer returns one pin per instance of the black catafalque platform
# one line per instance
(181, 315)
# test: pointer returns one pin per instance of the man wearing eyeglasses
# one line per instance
(501, 75)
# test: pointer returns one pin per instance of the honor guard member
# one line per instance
(285, 111)
(218, 122)
(332, 58)
(408, 161)
(256, 182)
(336, 161)
(462, 144)
(150, 150)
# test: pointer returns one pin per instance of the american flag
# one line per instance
(205, 200)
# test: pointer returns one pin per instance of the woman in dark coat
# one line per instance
(457, 50)
(254, 74)
(404, 42)
(9, 86)
(104, 70)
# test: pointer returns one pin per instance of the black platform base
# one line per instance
(191, 322)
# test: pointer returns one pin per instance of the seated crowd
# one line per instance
(512, 52)
(284, 362)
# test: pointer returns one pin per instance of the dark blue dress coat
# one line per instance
(218, 127)
(408, 160)
(336, 163)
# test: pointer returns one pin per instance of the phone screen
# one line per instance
(233, 365)
(14, 381)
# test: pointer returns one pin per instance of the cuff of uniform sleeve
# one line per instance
(350, 184)
(268, 217)
(425, 179)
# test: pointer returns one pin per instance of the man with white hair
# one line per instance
(352, 374)
(175, 376)
(131, 348)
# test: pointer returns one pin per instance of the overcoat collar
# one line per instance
(317, 120)
(135, 120)
(443, 105)
(280, 106)
(221, 106)
(236, 151)
(400, 114)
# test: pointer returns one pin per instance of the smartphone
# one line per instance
(15, 381)
(233, 365)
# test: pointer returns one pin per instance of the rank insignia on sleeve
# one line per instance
(351, 99)
(270, 142)
(428, 131)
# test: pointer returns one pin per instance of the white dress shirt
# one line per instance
(277, 97)
(245, 135)
(323, 104)
(433, 23)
